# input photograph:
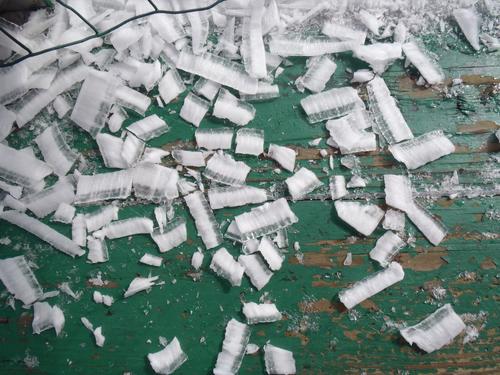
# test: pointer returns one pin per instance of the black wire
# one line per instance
(79, 15)
(153, 4)
(11, 37)
(99, 34)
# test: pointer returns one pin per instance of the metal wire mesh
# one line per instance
(97, 34)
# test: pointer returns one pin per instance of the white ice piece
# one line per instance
(19, 279)
(148, 128)
(7, 119)
(252, 44)
(422, 150)
(371, 285)
(362, 76)
(204, 219)
(223, 169)
(214, 139)
(110, 148)
(337, 187)
(194, 109)
(98, 336)
(271, 254)
(332, 103)
(292, 44)
(265, 91)
(435, 331)
(125, 228)
(64, 213)
(261, 312)
(79, 230)
(55, 150)
(378, 55)
(278, 360)
(234, 345)
(169, 359)
(155, 182)
(302, 183)
(104, 186)
(197, 260)
(341, 32)
(43, 231)
(256, 269)
(250, 141)
(206, 88)
(394, 220)
(319, 71)
(61, 106)
(174, 234)
(348, 134)
(46, 201)
(362, 217)
(189, 158)
(386, 248)
(139, 284)
(102, 298)
(234, 196)
(47, 317)
(98, 250)
(427, 67)
(371, 22)
(470, 22)
(285, 156)
(151, 260)
(224, 265)
(132, 149)
(356, 181)
(171, 86)
(101, 217)
(228, 106)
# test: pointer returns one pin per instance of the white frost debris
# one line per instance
(171, 86)
(386, 248)
(271, 254)
(222, 168)
(250, 141)
(362, 217)
(98, 336)
(169, 359)
(422, 150)
(378, 55)
(265, 219)
(214, 139)
(139, 284)
(338, 187)
(302, 183)
(332, 103)
(394, 220)
(419, 58)
(204, 219)
(234, 196)
(98, 297)
(197, 260)
(189, 158)
(47, 317)
(285, 156)
(104, 186)
(98, 250)
(56, 152)
(371, 285)
(151, 260)
(256, 269)
(148, 128)
(261, 313)
(224, 265)
(435, 331)
(64, 213)
(125, 228)
(44, 232)
(318, 73)
(20, 280)
(389, 121)
(470, 23)
(228, 106)
(194, 109)
(172, 235)
(279, 361)
(233, 348)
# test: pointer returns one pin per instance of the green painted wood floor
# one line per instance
(325, 339)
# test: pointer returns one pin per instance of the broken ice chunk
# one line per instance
(61, 106)
(132, 149)
(224, 169)
(285, 156)
(64, 213)
(110, 148)
(101, 217)
(428, 68)
(335, 102)
(422, 150)
(98, 336)
(256, 270)
(362, 217)
(337, 187)
(98, 251)
(371, 22)
(102, 298)
(206, 88)
(318, 73)
(469, 22)
(362, 76)
(278, 361)
(44, 232)
(389, 121)
(302, 183)
(214, 139)
(235, 196)
(371, 285)
(169, 359)
(378, 55)
(250, 141)
(386, 248)
(155, 182)
(78, 230)
(224, 265)
(46, 201)
(151, 260)
(394, 220)
(103, 186)
(292, 44)
(204, 219)
(218, 69)
(348, 136)
(20, 280)
(171, 86)
(148, 128)
(272, 255)
(132, 99)
(252, 44)
(197, 260)
(55, 150)
(228, 106)
(139, 284)
(265, 219)
(189, 158)
(125, 228)
(174, 234)
(265, 91)
(261, 313)
(47, 317)
(7, 119)
(430, 227)
(400, 33)
(234, 345)
(435, 331)
(194, 109)
(356, 182)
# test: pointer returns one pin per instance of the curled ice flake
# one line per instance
(431, 72)
(318, 73)
(233, 348)
(362, 217)
(224, 265)
(291, 44)
(169, 359)
(386, 248)
(224, 169)
(47, 317)
(470, 23)
(279, 361)
(272, 255)
(204, 219)
(56, 152)
(250, 141)
(139, 284)
(285, 156)
(189, 158)
(302, 183)
(155, 182)
(148, 128)
(20, 280)
(228, 106)
(171, 86)
(173, 234)
(234, 196)
(214, 139)
(194, 109)
(378, 55)
(261, 313)
(256, 269)
(104, 186)
(125, 228)
(110, 148)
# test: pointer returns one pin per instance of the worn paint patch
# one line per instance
(369, 305)
(304, 340)
(352, 335)
(475, 79)
(325, 284)
(314, 259)
(314, 307)
(479, 127)
(488, 264)
(408, 86)
(424, 261)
